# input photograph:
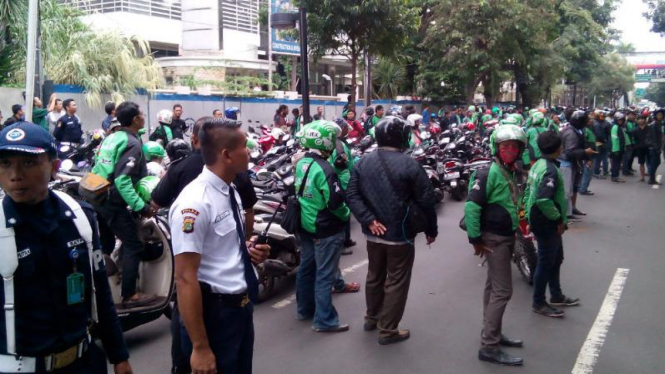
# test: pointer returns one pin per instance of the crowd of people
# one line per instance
(541, 159)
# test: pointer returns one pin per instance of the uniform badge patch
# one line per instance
(188, 225)
(550, 182)
(190, 211)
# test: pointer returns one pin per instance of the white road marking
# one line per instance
(290, 299)
(588, 356)
(658, 179)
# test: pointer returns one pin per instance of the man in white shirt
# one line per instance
(217, 284)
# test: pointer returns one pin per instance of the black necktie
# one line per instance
(250, 276)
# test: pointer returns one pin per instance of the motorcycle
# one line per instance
(525, 255)
(426, 156)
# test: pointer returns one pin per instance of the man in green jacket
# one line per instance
(121, 161)
(545, 206)
(532, 153)
(491, 216)
(324, 215)
(39, 114)
(618, 140)
(628, 156)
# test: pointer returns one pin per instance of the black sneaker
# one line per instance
(548, 311)
(565, 301)
(573, 219)
(618, 180)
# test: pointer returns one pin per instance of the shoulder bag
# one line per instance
(292, 219)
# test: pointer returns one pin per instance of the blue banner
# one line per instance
(284, 41)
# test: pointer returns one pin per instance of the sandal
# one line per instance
(351, 287)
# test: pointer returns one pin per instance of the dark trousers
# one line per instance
(122, 225)
(388, 281)
(601, 158)
(550, 258)
(617, 159)
(179, 361)
(230, 333)
(653, 159)
(628, 158)
(498, 288)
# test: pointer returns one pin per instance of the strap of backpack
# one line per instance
(304, 179)
(85, 230)
(8, 266)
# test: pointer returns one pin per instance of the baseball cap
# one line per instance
(26, 137)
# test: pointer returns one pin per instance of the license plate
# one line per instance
(440, 168)
(446, 140)
(450, 176)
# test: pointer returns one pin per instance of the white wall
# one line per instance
(241, 45)
(9, 97)
(200, 25)
(153, 29)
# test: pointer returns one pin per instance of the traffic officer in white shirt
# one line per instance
(217, 284)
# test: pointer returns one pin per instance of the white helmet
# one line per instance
(165, 116)
(413, 118)
(155, 169)
(277, 133)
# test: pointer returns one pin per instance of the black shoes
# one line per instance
(508, 342)
(548, 311)
(572, 219)
(399, 336)
(618, 180)
(652, 182)
(496, 356)
(587, 193)
(565, 301)
(349, 243)
(338, 328)
(578, 212)
(369, 326)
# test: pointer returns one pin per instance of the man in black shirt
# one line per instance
(179, 175)
(17, 115)
(640, 134)
(178, 126)
(69, 128)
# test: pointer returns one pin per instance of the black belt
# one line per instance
(239, 300)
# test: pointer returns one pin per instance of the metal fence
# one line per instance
(156, 8)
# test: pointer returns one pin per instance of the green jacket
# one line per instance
(544, 197)
(121, 161)
(618, 139)
(532, 153)
(630, 126)
(375, 120)
(344, 175)
(39, 117)
(589, 138)
(323, 210)
(490, 205)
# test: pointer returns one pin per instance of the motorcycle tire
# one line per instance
(266, 285)
(525, 257)
(457, 193)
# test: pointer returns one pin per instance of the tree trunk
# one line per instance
(354, 84)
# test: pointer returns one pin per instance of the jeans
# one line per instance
(628, 160)
(339, 284)
(122, 224)
(601, 157)
(550, 258)
(617, 158)
(654, 162)
(568, 174)
(586, 178)
(230, 333)
(319, 264)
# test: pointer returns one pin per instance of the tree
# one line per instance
(11, 13)
(351, 27)
(624, 48)
(656, 93)
(614, 79)
(656, 14)
(388, 76)
(73, 53)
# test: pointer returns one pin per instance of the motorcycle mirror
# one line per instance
(65, 148)
(66, 165)
(290, 143)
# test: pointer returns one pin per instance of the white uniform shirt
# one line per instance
(202, 222)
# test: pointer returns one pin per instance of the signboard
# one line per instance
(648, 75)
(640, 92)
(284, 41)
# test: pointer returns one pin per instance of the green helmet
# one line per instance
(510, 120)
(319, 135)
(495, 110)
(509, 132)
(486, 117)
(153, 150)
(518, 117)
(145, 186)
(472, 108)
(537, 119)
(532, 111)
(251, 144)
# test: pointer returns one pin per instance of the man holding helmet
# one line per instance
(491, 218)
(163, 131)
(382, 185)
(324, 215)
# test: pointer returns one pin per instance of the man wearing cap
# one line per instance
(55, 284)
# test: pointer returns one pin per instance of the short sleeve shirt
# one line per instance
(202, 222)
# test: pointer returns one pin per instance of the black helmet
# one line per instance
(618, 116)
(177, 149)
(579, 119)
(369, 111)
(392, 132)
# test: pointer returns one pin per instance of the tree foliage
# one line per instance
(617, 78)
(656, 14)
(351, 27)
(73, 53)
(388, 76)
(656, 93)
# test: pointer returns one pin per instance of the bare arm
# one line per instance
(191, 309)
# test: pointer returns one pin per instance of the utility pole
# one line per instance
(30, 69)
(367, 83)
(304, 65)
(269, 46)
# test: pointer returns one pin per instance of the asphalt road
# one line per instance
(624, 229)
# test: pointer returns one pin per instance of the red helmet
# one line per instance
(645, 112)
(470, 126)
(488, 111)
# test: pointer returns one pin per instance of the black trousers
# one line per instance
(617, 159)
(122, 224)
(230, 333)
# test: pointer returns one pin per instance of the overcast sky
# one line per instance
(635, 28)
